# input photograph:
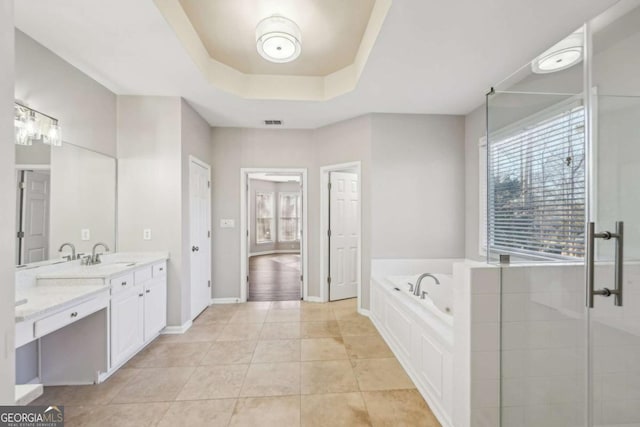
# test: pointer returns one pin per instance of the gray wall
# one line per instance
(86, 109)
(475, 128)
(398, 156)
(7, 213)
(257, 186)
(418, 186)
(149, 181)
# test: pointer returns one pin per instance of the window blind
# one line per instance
(289, 217)
(536, 194)
(264, 217)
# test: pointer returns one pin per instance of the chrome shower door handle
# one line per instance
(619, 260)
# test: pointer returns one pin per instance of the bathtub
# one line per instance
(420, 332)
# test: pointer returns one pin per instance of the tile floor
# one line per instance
(256, 364)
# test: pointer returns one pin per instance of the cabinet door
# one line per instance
(126, 324)
(155, 308)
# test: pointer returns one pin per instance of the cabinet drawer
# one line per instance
(142, 275)
(160, 269)
(121, 283)
(56, 321)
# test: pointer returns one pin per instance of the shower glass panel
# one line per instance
(537, 208)
(615, 330)
(563, 152)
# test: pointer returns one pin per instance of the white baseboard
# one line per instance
(364, 312)
(274, 252)
(169, 330)
(313, 299)
(224, 301)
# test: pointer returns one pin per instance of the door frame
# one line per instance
(192, 160)
(354, 167)
(244, 226)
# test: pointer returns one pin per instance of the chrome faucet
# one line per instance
(95, 258)
(416, 290)
(73, 250)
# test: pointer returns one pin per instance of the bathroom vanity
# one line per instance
(85, 321)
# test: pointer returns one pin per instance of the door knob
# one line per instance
(194, 249)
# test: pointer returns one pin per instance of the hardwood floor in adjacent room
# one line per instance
(274, 277)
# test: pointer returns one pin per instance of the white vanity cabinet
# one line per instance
(138, 310)
(127, 323)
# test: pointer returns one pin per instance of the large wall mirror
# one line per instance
(63, 194)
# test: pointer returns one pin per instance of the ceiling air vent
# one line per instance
(273, 122)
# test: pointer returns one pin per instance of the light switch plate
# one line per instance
(227, 223)
(146, 234)
(85, 234)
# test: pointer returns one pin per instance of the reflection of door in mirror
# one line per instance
(33, 193)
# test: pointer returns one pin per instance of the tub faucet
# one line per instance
(95, 258)
(73, 250)
(416, 289)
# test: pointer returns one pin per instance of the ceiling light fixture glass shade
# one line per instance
(278, 39)
(561, 56)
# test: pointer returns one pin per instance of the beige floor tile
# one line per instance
(367, 347)
(309, 314)
(323, 349)
(356, 327)
(154, 385)
(249, 316)
(332, 376)
(170, 355)
(277, 351)
(350, 303)
(214, 382)
(346, 314)
(380, 374)
(240, 332)
(272, 379)
(229, 353)
(255, 305)
(97, 394)
(217, 314)
(402, 408)
(128, 415)
(280, 331)
(323, 329)
(199, 332)
(289, 315)
(281, 411)
(213, 413)
(279, 305)
(336, 410)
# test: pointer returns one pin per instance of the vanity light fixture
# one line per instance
(562, 55)
(31, 125)
(278, 39)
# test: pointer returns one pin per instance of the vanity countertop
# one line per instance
(111, 265)
(45, 299)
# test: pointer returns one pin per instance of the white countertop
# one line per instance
(45, 299)
(51, 289)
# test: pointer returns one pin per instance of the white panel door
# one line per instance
(35, 217)
(343, 241)
(200, 220)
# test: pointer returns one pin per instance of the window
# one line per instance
(289, 217)
(536, 193)
(264, 217)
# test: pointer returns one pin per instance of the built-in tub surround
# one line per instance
(447, 342)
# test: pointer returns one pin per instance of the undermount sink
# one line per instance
(95, 271)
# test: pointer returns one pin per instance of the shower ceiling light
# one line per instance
(278, 39)
(561, 56)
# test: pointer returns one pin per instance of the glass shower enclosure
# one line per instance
(563, 211)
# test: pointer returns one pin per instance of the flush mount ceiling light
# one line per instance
(278, 39)
(561, 56)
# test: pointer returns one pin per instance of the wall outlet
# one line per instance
(227, 223)
(146, 234)
(85, 234)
